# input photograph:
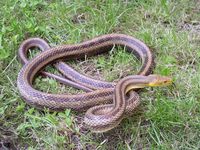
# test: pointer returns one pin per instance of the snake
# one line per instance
(107, 102)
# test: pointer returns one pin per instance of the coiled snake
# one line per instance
(116, 100)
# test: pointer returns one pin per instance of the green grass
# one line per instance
(168, 118)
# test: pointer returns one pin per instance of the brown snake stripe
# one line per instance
(98, 118)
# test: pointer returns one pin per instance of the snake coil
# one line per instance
(98, 118)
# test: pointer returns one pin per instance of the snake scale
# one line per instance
(108, 103)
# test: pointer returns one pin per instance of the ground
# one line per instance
(167, 118)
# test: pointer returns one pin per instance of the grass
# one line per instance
(168, 118)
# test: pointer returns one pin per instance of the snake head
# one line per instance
(158, 80)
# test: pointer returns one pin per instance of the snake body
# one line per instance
(98, 118)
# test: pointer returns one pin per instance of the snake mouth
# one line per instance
(160, 84)
(165, 83)
(160, 81)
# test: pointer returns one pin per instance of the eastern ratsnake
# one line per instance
(117, 99)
